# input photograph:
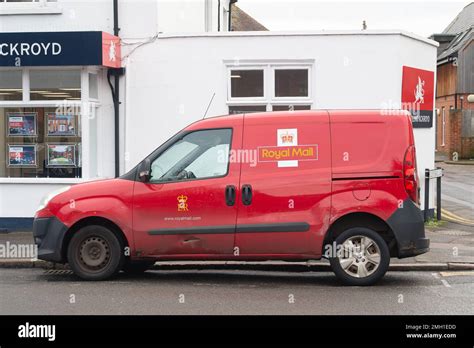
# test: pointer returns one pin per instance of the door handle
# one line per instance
(246, 194)
(230, 195)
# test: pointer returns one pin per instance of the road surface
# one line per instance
(36, 291)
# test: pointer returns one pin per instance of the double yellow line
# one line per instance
(447, 215)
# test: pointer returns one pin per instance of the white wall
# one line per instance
(137, 18)
(170, 81)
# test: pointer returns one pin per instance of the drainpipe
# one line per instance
(115, 89)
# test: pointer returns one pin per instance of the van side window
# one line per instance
(197, 155)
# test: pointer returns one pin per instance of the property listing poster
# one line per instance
(61, 155)
(21, 124)
(61, 125)
(22, 155)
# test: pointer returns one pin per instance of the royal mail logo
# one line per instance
(287, 138)
(182, 203)
(288, 153)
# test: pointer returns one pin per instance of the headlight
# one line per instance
(45, 200)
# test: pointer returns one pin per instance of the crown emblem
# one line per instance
(182, 203)
(287, 138)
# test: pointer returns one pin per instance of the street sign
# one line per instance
(436, 173)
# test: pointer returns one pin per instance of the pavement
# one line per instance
(220, 292)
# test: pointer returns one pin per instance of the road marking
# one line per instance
(445, 283)
(458, 273)
(447, 212)
(447, 215)
(436, 275)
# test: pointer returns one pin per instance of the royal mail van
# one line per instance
(292, 186)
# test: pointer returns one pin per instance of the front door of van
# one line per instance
(285, 205)
(186, 208)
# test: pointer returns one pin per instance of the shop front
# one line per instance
(54, 101)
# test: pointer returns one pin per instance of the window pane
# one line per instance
(290, 107)
(246, 109)
(246, 83)
(291, 83)
(39, 142)
(198, 155)
(55, 84)
(10, 85)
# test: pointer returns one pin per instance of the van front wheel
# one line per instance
(95, 253)
(361, 257)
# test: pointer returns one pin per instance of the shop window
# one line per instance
(55, 85)
(39, 142)
(290, 107)
(11, 85)
(246, 109)
(246, 83)
(291, 82)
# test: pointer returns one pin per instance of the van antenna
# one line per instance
(210, 102)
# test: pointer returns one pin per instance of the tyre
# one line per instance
(95, 253)
(362, 257)
(137, 267)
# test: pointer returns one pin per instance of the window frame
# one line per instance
(269, 67)
(161, 150)
(244, 99)
(295, 98)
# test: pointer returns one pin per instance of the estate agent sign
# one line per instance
(59, 49)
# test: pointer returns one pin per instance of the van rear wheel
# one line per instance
(95, 253)
(362, 257)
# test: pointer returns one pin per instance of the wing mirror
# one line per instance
(144, 170)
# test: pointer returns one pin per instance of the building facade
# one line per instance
(455, 71)
(175, 77)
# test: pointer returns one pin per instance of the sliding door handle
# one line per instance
(246, 194)
(230, 195)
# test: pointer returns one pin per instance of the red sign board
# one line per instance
(111, 52)
(418, 94)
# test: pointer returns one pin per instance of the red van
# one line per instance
(292, 186)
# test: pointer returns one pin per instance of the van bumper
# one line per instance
(408, 227)
(49, 234)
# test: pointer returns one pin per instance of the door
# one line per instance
(285, 198)
(188, 206)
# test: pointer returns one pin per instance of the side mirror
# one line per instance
(144, 170)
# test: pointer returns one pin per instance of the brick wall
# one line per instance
(453, 119)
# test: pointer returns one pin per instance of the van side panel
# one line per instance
(288, 192)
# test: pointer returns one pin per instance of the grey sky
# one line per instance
(420, 17)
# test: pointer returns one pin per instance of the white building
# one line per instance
(177, 65)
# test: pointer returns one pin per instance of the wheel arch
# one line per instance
(92, 220)
(362, 219)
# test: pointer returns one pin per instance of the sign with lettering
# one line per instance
(59, 49)
(417, 95)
